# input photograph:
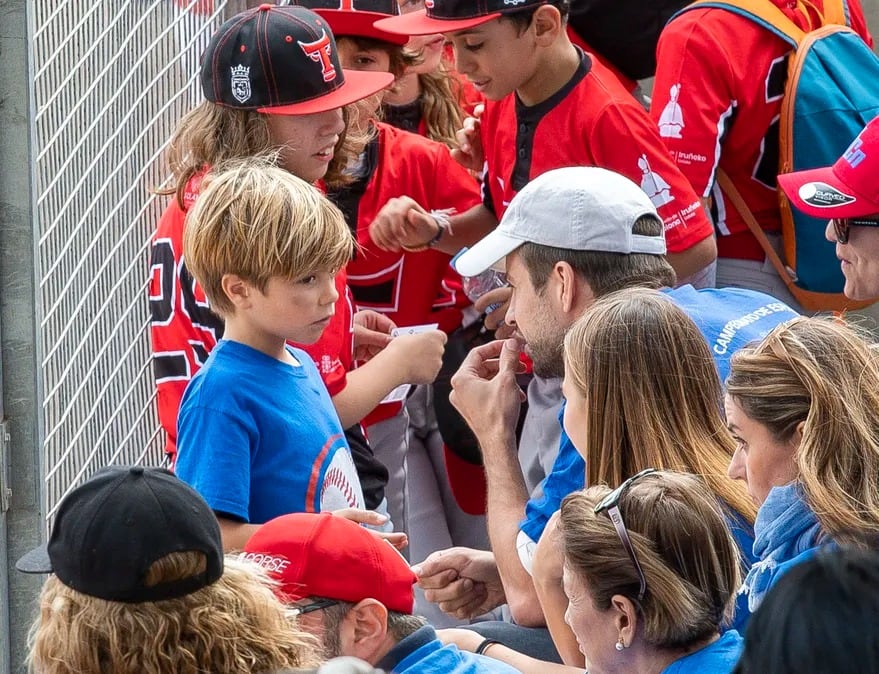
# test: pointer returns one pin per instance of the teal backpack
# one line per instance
(832, 91)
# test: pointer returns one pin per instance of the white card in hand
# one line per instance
(414, 329)
(397, 395)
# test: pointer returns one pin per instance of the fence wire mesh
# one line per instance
(111, 80)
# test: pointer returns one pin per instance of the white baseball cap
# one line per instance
(578, 208)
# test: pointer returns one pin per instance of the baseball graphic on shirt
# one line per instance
(671, 121)
(653, 185)
(341, 486)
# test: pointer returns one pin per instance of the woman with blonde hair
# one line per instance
(803, 408)
(642, 391)
(140, 585)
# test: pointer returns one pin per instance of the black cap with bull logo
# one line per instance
(281, 61)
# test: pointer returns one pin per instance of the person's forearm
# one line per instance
(367, 386)
(507, 496)
(526, 664)
(554, 603)
(235, 534)
(694, 259)
(466, 229)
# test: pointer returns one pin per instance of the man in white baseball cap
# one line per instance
(568, 237)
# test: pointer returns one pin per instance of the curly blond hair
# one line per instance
(234, 625)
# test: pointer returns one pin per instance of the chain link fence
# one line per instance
(111, 79)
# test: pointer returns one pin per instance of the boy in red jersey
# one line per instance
(717, 96)
(550, 105)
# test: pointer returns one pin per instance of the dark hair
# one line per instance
(521, 19)
(822, 616)
(400, 59)
(604, 272)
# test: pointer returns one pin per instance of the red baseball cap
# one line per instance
(449, 16)
(324, 555)
(281, 61)
(848, 189)
(356, 17)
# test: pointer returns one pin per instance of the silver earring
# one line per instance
(620, 645)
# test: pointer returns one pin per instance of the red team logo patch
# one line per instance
(320, 51)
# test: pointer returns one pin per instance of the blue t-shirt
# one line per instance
(423, 653)
(718, 657)
(259, 438)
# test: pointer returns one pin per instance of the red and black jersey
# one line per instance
(184, 330)
(591, 121)
(400, 284)
(717, 96)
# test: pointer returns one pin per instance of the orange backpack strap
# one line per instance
(763, 12)
(835, 12)
(735, 197)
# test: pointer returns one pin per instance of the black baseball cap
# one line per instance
(281, 61)
(110, 530)
(449, 16)
(356, 17)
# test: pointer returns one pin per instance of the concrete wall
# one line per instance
(20, 528)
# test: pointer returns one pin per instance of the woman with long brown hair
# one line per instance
(803, 408)
(642, 391)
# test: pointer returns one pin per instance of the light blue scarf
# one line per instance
(785, 528)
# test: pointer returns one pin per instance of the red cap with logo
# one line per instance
(324, 555)
(449, 16)
(281, 61)
(848, 189)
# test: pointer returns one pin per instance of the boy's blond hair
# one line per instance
(258, 221)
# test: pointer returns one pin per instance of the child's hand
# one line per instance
(372, 333)
(469, 153)
(402, 223)
(418, 357)
(398, 539)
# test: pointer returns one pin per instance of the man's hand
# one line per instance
(463, 582)
(469, 153)
(402, 223)
(484, 389)
(372, 333)
(419, 357)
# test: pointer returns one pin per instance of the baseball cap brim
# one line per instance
(419, 23)
(802, 183)
(488, 252)
(359, 24)
(35, 561)
(358, 85)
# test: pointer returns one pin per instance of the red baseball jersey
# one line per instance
(717, 99)
(591, 121)
(184, 330)
(405, 285)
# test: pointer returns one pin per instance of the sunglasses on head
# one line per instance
(842, 225)
(611, 505)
